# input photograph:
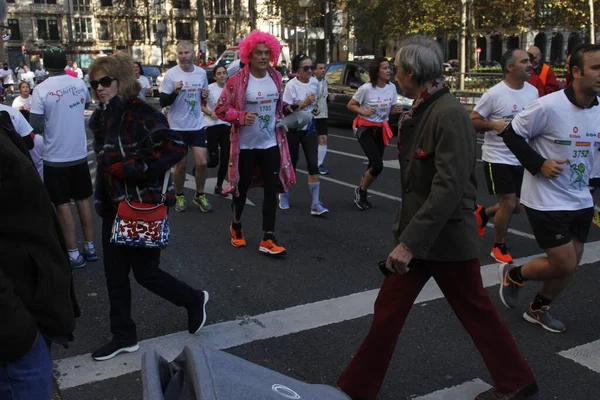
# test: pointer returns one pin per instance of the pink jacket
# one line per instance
(230, 108)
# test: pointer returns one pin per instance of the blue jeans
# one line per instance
(29, 377)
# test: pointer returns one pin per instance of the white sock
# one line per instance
(74, 254)
(321, 154)
(88, 246)
(314, 187)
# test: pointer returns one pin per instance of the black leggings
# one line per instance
(218, 138)
(371, 141)
(310, 146)
(269, 162)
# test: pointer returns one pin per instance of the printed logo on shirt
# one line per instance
(583, 144)
(563, 142)
(573, 136)
(579, 174)
(591, 134)
(575, 129)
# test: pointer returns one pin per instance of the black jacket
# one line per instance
(36, 292)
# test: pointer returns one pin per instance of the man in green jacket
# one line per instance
(435, 235)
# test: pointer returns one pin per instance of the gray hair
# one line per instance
(421, 56)
(3, 10)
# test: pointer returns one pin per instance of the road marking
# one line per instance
(190, 183)
(82, 369)
(515, 232)
(395, 164)
(352, 138)
(587, 355)
(375, 192)
(467, 390)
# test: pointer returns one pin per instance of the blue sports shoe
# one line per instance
(318, 209)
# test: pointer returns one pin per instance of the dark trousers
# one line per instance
(462, 286)
(118, 261)
(218, 149)
(371, 141)
(310, 147)
(268, 162)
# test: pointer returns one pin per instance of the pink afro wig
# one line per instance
(253, 39)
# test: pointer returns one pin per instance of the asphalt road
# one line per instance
(331, 261)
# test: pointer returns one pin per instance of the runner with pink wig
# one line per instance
(253, 39)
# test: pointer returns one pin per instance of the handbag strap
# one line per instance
(165, 185)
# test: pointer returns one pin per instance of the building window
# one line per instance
(136, 32)
(104, 33)
(53, 29)
(15, 32)
(82, 28)
(42, 28)
(221, 26)
(106, 3)
(222, 7)
(183, 31)
(81, 5)
(181, 4)
(155, 29)
(44, 1)
(10, 1)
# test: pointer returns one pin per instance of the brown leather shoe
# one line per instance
(521, 394)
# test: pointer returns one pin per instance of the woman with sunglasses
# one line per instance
(373, 103)
(217, 131)
(252, 102)
(301, 96)
(134, 149)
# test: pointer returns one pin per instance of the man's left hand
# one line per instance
(399, 259)
(205, 93)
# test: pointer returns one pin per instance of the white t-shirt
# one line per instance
(7, 76)
(185, 113)
(61, 99)
(261, 97)
(380, 98)
(28, 77)
(322, 93)
(557, 129)
(79, 72)
(159, 81)
(21, 102)
(145, 83)
(499, 103)
(211, 104)
(296, 92)
(40, 75)
(18, 120)
(19, 71)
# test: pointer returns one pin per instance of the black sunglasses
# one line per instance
(307, 68)
(105, 81)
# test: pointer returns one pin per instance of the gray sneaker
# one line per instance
(509, 289)
(180, 203)
(79, 263)
(544, 318)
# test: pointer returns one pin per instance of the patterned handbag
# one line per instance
(142, 225)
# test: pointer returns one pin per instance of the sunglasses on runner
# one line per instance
(307, 68)
(105, 81)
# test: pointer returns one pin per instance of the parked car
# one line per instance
(152, 72)
(345, 77)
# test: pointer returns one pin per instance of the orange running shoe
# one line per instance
(501, 254)
(482, 219)
(271, 247)
(237, 237)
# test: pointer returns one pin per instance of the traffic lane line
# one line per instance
(587, 355)
(352, 185)
(82, 369)
(467, 390)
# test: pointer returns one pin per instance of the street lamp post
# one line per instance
(161, 30)
(305, 4)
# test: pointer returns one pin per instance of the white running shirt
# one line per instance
(18, 120)
(61, 100)
(296, 92)
(261, 97)
(557, 129)
(381, 99)
(499, 103)
(185, 113)
(145, 84)
(211, 104)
